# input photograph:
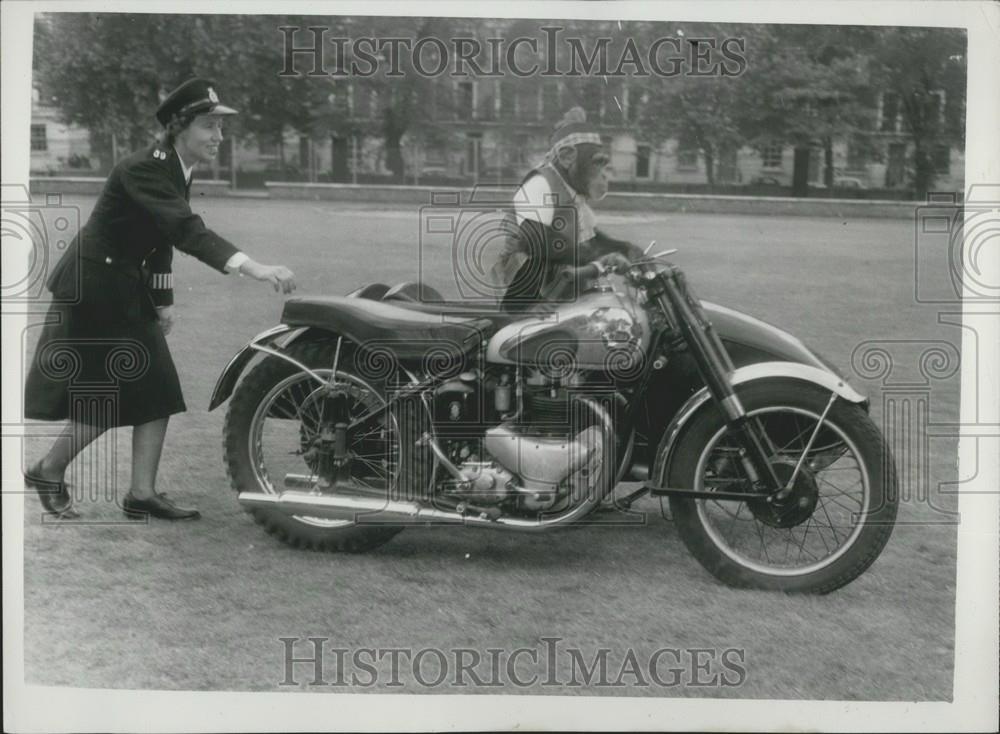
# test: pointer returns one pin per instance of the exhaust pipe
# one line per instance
(379, 511)
(363, 510)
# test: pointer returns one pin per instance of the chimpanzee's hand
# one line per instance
(614, 261)
(634, 252)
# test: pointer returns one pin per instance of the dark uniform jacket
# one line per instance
(121, 259)
(105, 290)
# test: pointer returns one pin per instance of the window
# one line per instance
(551, 91)
(687, 159)
(489, 100)
(527, 103)
(435, 156)
(465, 107)
(857, 156)
(431, 100)
(727, 168)
(508, 100)
(267, 148)
(471, 165)
(941, 159)
(517, 155)
(935, 108)
(642, 155)
(889, 112)
(362, 102)
(815, 165)
(771, 155)
(39, 141)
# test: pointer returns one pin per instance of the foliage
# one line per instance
(803, 85)
(916, 65)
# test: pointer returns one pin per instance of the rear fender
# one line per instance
(231, 374)
(226, 383)
(741, 376)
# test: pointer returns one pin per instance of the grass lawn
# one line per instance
(202, 605)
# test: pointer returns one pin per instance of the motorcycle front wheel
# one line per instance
(827, 530)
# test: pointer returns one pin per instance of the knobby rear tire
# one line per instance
(415, 462)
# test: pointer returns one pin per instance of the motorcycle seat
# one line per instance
(471, 309)
(378, 325)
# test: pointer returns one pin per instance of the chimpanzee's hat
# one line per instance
(193, 97)
(573, 129)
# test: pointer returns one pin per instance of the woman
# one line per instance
(113, 304)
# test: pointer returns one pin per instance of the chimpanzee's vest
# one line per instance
(516, 250)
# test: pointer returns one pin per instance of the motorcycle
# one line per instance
(391, 407)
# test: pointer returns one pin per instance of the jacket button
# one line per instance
(107, 260)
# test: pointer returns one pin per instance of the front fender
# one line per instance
(750, 338)
(227, 380)
(759, 371)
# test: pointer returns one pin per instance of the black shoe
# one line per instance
(55, 496)
(157, 506)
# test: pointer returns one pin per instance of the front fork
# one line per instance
(715, 366)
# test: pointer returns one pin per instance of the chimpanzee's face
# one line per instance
(599, 177)
(588, 170)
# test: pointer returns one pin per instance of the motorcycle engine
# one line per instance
(537, 456)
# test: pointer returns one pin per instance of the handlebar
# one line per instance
(595, 270)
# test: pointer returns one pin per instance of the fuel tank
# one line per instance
(602, 329)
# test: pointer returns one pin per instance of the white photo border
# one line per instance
(974, 706)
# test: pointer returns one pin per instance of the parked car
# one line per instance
(848, 182)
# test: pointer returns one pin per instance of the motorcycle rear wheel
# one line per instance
(756, 545)
(247, 468)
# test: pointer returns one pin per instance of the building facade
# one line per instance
(495, 130)
(55, 146)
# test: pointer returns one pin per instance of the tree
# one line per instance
(701, 112)
(924, 68)
(108, 73)
(807, 86)
(407, 101)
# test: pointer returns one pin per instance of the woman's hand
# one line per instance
(165, 315)
(279, 276)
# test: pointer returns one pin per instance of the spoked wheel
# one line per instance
(829, 524)
(281, 436)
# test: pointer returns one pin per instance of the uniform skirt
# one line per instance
(100, 366)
